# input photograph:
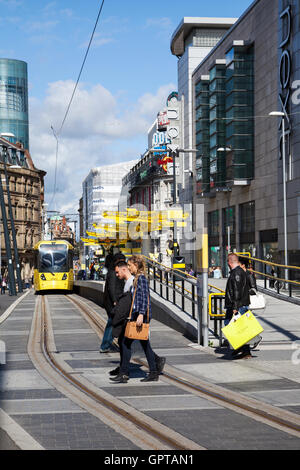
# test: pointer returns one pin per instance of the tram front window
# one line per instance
(53, 259)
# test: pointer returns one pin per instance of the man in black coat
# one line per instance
(112, 292)
(237, 298)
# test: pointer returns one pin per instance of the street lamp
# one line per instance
(281, 114)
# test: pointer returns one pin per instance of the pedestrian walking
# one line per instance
(121, 312)
(140, 309)
(252, 285)
(112, 291)
(237, 298)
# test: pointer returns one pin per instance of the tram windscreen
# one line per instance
(53, 258)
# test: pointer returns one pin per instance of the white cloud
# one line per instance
(99, 130)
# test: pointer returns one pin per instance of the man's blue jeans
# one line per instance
(229, 314)
(107, 340)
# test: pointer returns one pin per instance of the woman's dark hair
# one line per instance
(244, 261)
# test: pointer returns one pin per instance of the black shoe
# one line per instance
(256, 343)
(245, 355)
(120, 379)
(151, 377)
(115, 372)
(235, 353)
(160, 364)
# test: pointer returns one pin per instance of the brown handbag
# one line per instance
(134, 332)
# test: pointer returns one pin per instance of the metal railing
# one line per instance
(186, 292)
(284, 280)
(174, 286)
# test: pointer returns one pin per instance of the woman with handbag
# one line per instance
(139, 319)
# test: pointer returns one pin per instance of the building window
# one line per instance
(213, 225)
(239, 113)
(217, 100)
(229, 227)
(247, 223)
(202, 137)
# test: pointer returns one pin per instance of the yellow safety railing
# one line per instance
(210, 310)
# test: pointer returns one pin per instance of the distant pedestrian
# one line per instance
(3, 285)
(141, 307)
(237, 298)
(112, 291)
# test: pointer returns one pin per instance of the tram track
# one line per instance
(271, 415)
(145, 432)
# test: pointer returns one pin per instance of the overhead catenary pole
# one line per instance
(11, 273)
(13, 230)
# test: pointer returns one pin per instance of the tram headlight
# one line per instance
(65, 277)
(43, 277)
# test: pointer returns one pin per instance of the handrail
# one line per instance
(214, 315)
(270, 263)
(287, 281)
(170, 269)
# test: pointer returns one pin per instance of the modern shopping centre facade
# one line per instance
(252, 71)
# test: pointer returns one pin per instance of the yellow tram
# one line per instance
(53, 265)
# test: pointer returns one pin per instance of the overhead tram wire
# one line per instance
(56, 135)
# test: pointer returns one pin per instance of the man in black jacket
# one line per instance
(112, 291)
(237, 298)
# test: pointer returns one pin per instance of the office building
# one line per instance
(239, 174)
(14, 121)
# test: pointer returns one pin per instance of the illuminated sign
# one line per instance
(160, 138)
(164, 162)
(172, 98)
(162, 120)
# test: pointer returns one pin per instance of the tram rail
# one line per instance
(269, 414)
(134, 424)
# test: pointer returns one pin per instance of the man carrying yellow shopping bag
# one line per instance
(237, 299)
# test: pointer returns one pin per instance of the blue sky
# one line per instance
(127, 77)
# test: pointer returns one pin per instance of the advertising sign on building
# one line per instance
(162, 120)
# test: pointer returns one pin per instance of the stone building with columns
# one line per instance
(26, 187)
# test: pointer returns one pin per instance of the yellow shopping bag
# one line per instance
(241, 331)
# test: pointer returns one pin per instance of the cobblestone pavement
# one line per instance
(51, 421)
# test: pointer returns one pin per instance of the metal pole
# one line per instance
(199, 307)
(205, 287)
(13, 230)
(11, 273)
(284, 200)
(175, 154)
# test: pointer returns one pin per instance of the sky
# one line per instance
(127, 77)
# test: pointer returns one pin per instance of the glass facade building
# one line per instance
(251, 73)
(224, 103)
(14, 100)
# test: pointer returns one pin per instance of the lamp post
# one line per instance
(282, 115)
